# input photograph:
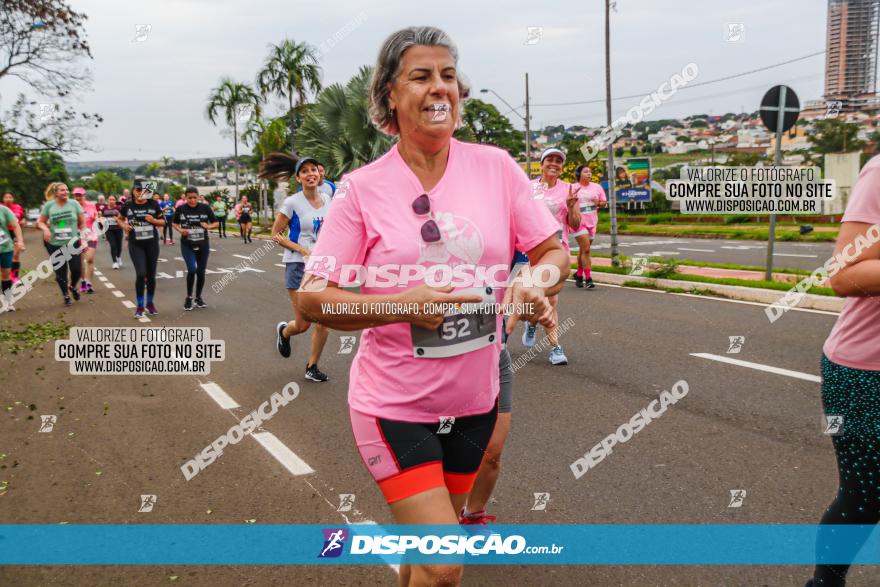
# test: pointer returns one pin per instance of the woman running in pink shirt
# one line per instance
(423, 386)
(591, 197)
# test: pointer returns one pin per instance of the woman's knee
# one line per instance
(441, 575)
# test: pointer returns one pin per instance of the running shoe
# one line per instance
(530, 335)
(579, 281)
(119, 261)
(89, 288)
(151, 310)
(188, 304)
(588, 283)
(557, 357)
(139, 313)
(282, 342)
(83, 286)
(172, 241)
(115, 265)
(480, 517)
(67, 301)
(316, 374)
(73, 292)
(200, 303)
(163, 242)
(9, 308)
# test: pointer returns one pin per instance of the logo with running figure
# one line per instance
(541, 501)
(47, 423)
(147, 503)
(736, 344)
(446, 423)
(737, 498)
(334, 542)
(346, 502)
(346, 344)
(833, 425)
(461, 242)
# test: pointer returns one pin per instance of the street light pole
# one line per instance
(609, 167)
(528, 133)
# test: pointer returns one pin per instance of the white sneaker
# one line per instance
(116, 265)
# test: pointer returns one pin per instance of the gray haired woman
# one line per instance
(423, 391)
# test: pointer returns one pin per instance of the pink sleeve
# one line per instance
(864, 201)
(531, 220)
(602, 197)
(343, 239)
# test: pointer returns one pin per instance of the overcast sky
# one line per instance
(152, 94)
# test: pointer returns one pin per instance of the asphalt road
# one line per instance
(741, 426)
(787, 255)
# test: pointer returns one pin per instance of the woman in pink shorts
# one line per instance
(423, 387)
(90, 212)
(591, 197)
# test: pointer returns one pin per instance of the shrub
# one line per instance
(661, 218)
(736, 219)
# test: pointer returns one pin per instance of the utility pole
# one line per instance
(528, 133)
(609, 166)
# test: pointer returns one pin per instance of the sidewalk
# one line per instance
(715, 272)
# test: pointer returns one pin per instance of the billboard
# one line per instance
(632, 180)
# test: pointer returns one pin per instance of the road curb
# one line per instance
(735, 292)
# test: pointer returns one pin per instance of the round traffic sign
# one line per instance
(771, 107)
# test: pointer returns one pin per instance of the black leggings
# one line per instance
(221, 229)
(114, 237)
(145, 258)
(196, 263)
(853, 394)
(74, 265)
(167, 231)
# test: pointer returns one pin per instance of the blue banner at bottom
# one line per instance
(370, 544)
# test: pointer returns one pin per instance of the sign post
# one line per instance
(780, 109)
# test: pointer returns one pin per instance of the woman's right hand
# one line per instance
(47, 235)
(426, 297)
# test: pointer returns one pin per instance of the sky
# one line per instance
(152, 93)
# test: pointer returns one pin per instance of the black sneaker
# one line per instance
(282, 342)
(74, 292)
(200, 303)
(67, 301)
(588, 283)
(188, 304)
(316, 374)
(579, 281)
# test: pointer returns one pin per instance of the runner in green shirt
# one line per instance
(61, 221)
(220, 211)
(11, 241)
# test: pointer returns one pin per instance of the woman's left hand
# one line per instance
(529, 304)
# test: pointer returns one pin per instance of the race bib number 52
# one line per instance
(470, 329)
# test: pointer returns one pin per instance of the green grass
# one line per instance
(758, 284)
(717, 231)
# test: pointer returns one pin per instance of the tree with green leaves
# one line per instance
(106, 182)
(337, 130)
(233, 103)
(833, 135)
(42, 43)
(291, 72)
(26, 174)
(489, 126)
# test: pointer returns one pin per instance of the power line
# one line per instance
(689, 86)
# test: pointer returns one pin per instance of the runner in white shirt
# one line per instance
(296, 229)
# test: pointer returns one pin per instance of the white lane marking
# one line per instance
(795, 255)
(98, 272)
(109, 285)
(128, 304)
(101, 277)
(118, 294)
(144, 319)
(241, 256)
(759, 367)
(696, 250)
(218, 395)
(280, 265)
(720, 299)
(282, 454)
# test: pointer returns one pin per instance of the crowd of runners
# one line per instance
(430, 391)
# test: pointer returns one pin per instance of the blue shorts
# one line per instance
(6, 260)
(293, 274)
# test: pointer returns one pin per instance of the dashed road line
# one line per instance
(218, 395)
(759, 367)
(289, 459)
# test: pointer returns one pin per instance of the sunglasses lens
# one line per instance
(430, 232)
(422, 205)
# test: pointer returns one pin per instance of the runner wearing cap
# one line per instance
(168, 208)
(90, 213)
(591, 197)
(19, 213)
(193, 220)
(11, 244)
(139, 218)
(561, 199)
(423, 387)
(61, 221)
(296, 229)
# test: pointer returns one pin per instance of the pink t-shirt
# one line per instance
(555, 198)
(855, 339)
(589, 197)
(90, 212)
(484, 208)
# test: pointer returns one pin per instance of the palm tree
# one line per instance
(337, 130)
(291, 71)
(233, 102)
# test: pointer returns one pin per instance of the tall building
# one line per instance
(851, 58)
